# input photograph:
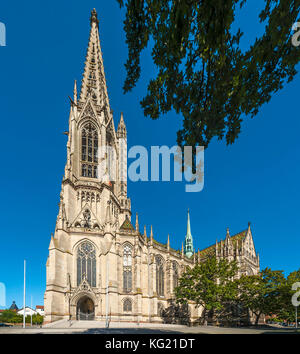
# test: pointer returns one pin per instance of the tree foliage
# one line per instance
(262, 293)
(10, 316)
(214, 286)
(208, 284)
(287, 310)
(202, 71)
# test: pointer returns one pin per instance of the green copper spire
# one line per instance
(188, 242)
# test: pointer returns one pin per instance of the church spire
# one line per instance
(188, 242)
(93, 81)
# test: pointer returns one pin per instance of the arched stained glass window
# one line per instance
(175, 274)
(160, 276)
(127, 268)
(86, 263)
(89, 151)
(127, 305)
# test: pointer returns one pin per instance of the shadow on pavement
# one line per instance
(127, 331)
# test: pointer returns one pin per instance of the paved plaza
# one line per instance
(98, 327)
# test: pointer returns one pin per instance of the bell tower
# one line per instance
(93, 199)
(95, 151)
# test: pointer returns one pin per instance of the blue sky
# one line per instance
(256, 179)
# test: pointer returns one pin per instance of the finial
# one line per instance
(145, 232)
(94, 17)
(137, 223)
(249, 223)
(75, 92)
(168, 242)
(227, 233)
(151, 236)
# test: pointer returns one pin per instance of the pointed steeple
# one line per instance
(121, 132)
(168, 243)
(145, 232)
(188, 242)
(94, 82)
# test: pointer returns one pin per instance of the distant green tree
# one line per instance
(287, 310)
(208, 284)
(202, 71)
(262, 293)
(9, 316)
(36, 319)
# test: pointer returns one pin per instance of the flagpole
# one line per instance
(31, 312)
(24, 301)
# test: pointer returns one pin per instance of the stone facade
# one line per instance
(99, 264)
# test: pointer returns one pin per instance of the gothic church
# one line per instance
(99, 264)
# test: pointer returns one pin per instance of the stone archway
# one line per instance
(85, 309)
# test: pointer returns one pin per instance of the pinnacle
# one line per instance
(94, 17)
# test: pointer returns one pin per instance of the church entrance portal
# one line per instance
(85, 309)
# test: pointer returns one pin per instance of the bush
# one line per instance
(9, 316)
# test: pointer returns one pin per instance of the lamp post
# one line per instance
(31, 312)
(24, 301)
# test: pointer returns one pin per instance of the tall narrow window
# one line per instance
(89, 151)
(175, 274)
(86, 263)
(127, 305)
(127, 268)
(160, 276)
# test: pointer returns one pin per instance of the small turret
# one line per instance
(121, 131)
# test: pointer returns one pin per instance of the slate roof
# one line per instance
(211, 250)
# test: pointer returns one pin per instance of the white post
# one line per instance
(24, 301)
(107, 283)
(296, 317)
(31, 312)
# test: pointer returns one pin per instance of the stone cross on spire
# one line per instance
(188, 242)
